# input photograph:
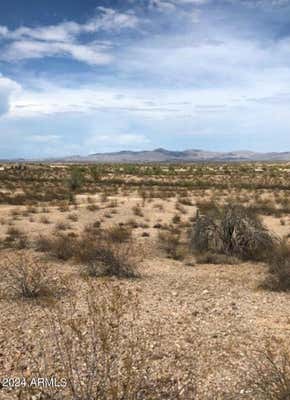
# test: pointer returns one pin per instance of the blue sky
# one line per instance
(87, 76)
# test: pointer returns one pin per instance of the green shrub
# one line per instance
(235, 231)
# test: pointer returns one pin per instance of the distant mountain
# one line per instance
(167, 156)
(191, 155)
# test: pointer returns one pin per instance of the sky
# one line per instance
(88, 76)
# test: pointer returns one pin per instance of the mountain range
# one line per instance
(161, 155)
(192, 155)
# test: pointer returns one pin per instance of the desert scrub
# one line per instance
(106, 258)
(119, 234)
(170, 242)
(105, 350)
(268, 374)
(234, 231)
(16, 238)
(60, 246)
(26, 278)
(278, 278)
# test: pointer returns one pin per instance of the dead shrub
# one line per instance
(269, 372)
(27, 278)
(61, 246)
(206, 236)
(170, 242)
(278, 278)
(103, 258)
(244, 235)
(16, 238)
(42, 244)
(119, 234)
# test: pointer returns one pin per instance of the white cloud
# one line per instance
(117, 139)
(63, 39)
(7, 87)
(29, 49)
(107, 20)
(3, 31)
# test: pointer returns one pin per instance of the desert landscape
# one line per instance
(145, 281)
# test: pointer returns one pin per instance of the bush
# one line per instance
(16, 238)
(97, 255)
(27, 278)
(269, 372)
(170, 242)
(61, 246)
(279, 269)
(119, 234)
(206, 235)
(237, 231)
(105, 259)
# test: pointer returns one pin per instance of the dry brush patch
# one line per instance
(108, 258)
(103, 352)
(278, 278)
(24, 277)
(266, 373)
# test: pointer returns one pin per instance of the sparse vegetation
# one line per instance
(199, 310)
